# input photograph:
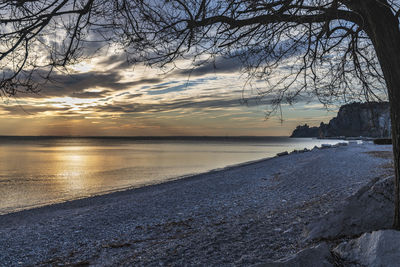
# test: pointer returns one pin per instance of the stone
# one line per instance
(370, 209)
(376, 249)
(326, 146)
(353, 120)
(315, 148)
(318, 256)
(282, 154)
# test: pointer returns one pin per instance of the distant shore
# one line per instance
(243, 215)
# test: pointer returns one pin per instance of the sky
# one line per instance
(105, 96)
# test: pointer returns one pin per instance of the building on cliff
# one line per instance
(356, 119)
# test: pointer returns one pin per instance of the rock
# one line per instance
(326, 146)
(370, 209)
(288, 230)
(360, 119)
(305, 131)
(300, 151)
(382, 141)
(343, 144)
(282, 154)
(245, 260)
(318, 256)
(376, 249)
(353, 120)
(314, 148)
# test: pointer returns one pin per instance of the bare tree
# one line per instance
(330, 49)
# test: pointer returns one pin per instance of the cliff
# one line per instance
(353, 120)
(305, 131)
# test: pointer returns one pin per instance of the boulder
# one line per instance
(370, 209)
(315, 148)
(318, 256)
(376, 249)
(326, 146)
(282, 154)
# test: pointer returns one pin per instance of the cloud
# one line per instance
(117, 61)
(217, 66)
(164, 89)
(77, 84)
(89, 94)
(131, 96)
(187, 103)
(200, 84)
(30, 109)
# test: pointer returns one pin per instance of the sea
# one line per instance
(38, 171)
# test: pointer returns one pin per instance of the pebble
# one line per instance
(237, 213)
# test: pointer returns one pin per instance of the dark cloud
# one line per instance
(165, 89)
(160, 85)
(177, 86)
(113, 59)
(130, 96)
(29, 109)
(75, 85)
(196, 102)
(120, 61)
(219, 65)
(91, 94)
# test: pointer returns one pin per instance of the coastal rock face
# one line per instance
(353, 120)
(359, 119)
(376, 249)
(305, 131)
(370, 209)
(318, 256)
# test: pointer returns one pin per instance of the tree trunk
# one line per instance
(383, 28)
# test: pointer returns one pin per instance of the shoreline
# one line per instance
(131, 188)
(65, 194)
(134, 187)
(243, 214)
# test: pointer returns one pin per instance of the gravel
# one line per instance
(241, 215)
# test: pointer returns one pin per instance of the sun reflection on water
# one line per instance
(47, 171)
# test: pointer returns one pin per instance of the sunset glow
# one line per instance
(107, 96)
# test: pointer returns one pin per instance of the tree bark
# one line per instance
(383, 28)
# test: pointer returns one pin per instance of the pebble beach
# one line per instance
(242, 215)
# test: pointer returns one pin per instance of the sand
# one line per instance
(241, 215)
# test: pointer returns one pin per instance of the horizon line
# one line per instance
(146, 136)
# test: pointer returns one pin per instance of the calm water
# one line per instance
(39, 171)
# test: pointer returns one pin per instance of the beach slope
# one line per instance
(241, 215)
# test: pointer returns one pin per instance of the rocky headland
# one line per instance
(353, 120)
